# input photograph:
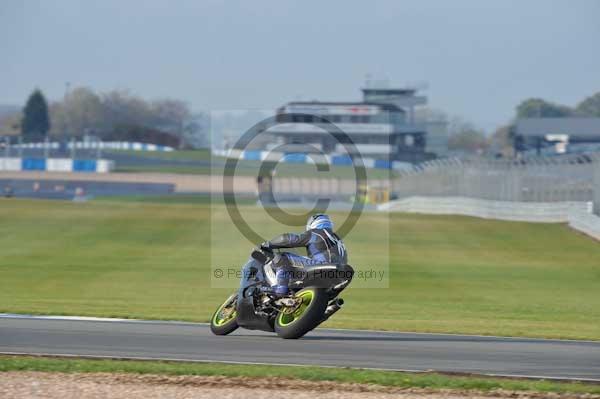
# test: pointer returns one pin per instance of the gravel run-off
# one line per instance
(105, 385)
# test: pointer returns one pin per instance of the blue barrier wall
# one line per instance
(84, 165)
(56, 165)
(33, 164)
(252, 155)
(341, 160)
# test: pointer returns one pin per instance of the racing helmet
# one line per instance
(319, 221)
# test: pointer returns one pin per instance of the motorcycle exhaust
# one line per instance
(333, 307)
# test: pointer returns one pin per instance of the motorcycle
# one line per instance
(312, 298)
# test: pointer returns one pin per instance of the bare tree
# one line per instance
(117, 112)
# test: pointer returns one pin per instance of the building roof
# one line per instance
(386, 91)
(574, 127)
(383, 106)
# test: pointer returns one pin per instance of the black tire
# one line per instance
(228, 326)
(291, 327)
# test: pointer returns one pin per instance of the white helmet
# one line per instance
(319, 221)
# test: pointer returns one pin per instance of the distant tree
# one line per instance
(58, 118)
(121, 108)
(465, 137)
(80, 111)
(501, 142)
(195, 133)
(10, 125)
(169, 113)
(470, 141)
(84, 111)
(123, 115)
(36, 122)
(171, 116)
(143, 135)
(590, 106)
(539, 108)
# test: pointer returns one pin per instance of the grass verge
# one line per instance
(153, 261)
(202, 162)
(312, 373)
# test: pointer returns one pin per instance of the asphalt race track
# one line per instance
(348, 348)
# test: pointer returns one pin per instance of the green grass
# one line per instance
(179, 155)
(244, 167)
(311, 373)
(251, 168)
(174, 169)
(196, 199)
(153, 260)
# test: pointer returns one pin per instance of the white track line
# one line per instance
(86, 318)
(181, 322)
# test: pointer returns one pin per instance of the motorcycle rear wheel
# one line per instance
(224, 320)
(293, 323)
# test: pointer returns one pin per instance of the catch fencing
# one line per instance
(569, 178)
(540, 189)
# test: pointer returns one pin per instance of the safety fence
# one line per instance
(539, 179)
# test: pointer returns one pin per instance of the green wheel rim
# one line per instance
(219, 319)
(285, 319)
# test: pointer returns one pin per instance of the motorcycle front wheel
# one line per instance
(224, 320)
(293, 322)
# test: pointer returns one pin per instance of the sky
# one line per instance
(479, 59)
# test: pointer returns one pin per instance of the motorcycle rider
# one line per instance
(323, 246)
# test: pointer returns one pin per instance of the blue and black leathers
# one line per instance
(323, 246)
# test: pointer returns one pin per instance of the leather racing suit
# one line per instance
(323, 246)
